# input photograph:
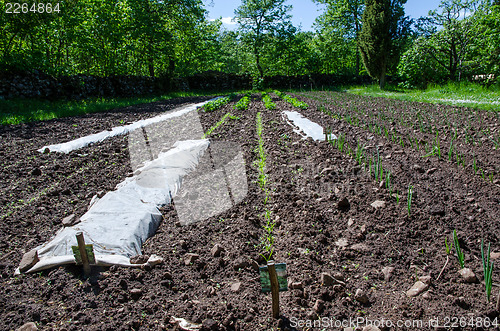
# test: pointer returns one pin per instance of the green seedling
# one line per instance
(388, 182)
(460, 253)
(487, 269)
(409, 198)
(447, 246)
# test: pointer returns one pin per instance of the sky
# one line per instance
(304, 12)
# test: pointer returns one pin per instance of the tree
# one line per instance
(374, 39)
(381, 22)
(340, 26)
(258, 20)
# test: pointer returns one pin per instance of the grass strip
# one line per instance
(19, 111)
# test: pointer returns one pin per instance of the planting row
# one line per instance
(432, 130)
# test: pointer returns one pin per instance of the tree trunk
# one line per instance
(381, 80)
(151, 67)
(259, 67)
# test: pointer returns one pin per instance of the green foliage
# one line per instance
(115, 37)
(460, 253)
(243, 103)
(259, 20)
(338, 31)
(293, 101)
(268, 103)
(487, 270)
(216, 104)
(452, 47)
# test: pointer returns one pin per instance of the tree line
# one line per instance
(174, 38)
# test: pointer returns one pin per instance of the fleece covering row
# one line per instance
(120, 222)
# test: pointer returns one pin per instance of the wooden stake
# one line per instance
(275, 288)
(83, 253)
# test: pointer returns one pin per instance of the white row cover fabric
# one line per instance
(117, 131)
(120, 222)
(310, 129)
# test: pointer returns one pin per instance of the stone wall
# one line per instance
(36, 84)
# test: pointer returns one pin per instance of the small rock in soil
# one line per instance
(387, 271)
(327, 279)
(29, 260)
(236, 287)
(30, 326)
(240, 263)
(318, 306)
(216, 250)
(70, 220)
(468, 275)
(189, 258)
(342, 242)
(361, 248)
(139, 259)
(426, 295)
(36, 172)
(296, 285)
(343, 204)
(378, 204)
(494, 255)
(361, 296)
(416, 289)
(135, 293)
(425, 280)
(338, 276)
(299, 203)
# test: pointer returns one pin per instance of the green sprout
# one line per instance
(460, 253)
(487, 269)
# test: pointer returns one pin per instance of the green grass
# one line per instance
(463, 94)
(31, 110)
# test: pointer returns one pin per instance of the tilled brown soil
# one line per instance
(313, 235)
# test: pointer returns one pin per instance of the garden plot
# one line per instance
(352, 248)
(161, 154)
